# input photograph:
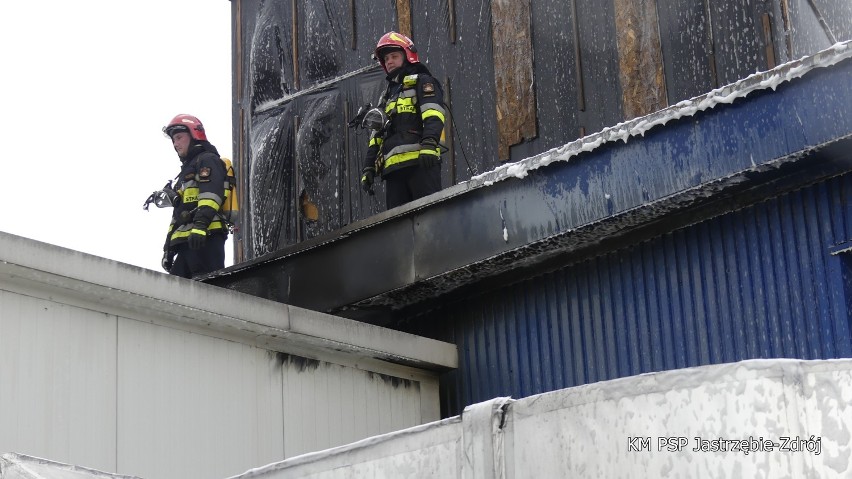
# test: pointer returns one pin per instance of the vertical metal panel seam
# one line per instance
(794, 280)
(779, 255)
(489, 355)
(563, 321)
(609, 297)
(644, 347)
(804, 234)
(666, 329)
(764, 224)
(540, 348)
(710, 299)
(840, 213)
(824, 235)
(531, 316)
(484, 344)
(686, 268)
(520, 353)
(503, 349)
(652, 288)
(556, 364)
(697, 245)
(581, 375)
(555, 326)
(749, 285)
(629, 329)
(819, 255)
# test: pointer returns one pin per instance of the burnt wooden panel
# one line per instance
(513, 74)
(403, 17)
(643, 88)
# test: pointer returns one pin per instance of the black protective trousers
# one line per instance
(410, 183)
(194, 262)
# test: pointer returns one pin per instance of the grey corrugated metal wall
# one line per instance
(756, 283)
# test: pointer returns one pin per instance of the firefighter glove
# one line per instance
(429, 153)
(197, 238)
(367, 176)
(168, 261)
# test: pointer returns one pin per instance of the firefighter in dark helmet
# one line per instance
(405, 149)
(195, 243)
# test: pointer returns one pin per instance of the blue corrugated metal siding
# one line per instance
(755, 283)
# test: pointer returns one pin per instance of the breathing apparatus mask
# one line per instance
(163, 198)
(369, 118)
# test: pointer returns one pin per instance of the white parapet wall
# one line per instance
(123, 369)
(759, 418)
(21, 466)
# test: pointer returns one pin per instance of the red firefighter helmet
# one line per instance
(187, 123)
(393, 41)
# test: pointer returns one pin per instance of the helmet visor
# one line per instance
(170, 130)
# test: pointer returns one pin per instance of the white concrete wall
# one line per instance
(654, 425)
(127, 370)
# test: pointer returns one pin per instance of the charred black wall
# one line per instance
(302, 68)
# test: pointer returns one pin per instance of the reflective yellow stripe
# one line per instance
(401, 158)
(375, 141)
(211, 203)
(430, 113)
(196, 231)
(190, 195)
(405, 105)
(216, 225)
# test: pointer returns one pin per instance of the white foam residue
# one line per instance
(518, 170)
(505, 230)
(546, 159)
(771, 82)
(661, 424)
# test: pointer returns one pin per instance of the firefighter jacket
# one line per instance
(413, 104)
(201, 191)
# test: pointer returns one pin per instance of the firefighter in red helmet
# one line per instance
(195, 243)
(405, 149)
